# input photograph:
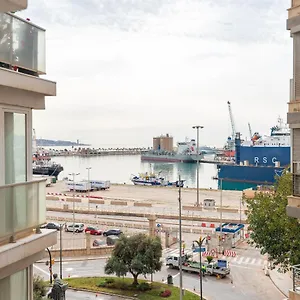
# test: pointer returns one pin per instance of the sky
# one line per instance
(128, 70)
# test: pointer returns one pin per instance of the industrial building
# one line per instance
(163, 143)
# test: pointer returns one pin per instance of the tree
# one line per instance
(138, 254)
(272, 230)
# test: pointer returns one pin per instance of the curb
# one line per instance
(103, 293)
(276, 285)
(124, 297)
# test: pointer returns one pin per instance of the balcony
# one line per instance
(12, 5)
(22, 45)
(22, 209)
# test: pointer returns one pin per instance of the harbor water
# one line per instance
(119, 168)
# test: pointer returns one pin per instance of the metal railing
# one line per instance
(296, 278)
(22, 44)
(22, 207)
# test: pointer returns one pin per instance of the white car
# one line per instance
(78, 227)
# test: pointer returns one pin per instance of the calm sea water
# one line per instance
(118, 169)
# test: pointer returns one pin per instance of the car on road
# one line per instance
(112, 232)
(93, 230)
(77, 227)
(51, 225)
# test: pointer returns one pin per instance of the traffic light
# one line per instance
(52, 261)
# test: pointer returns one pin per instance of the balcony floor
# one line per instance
(25, 251)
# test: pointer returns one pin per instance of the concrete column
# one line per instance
(88, 243)
(152, 224)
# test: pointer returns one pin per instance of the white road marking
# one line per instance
(69, 269)
(247, 260)
(240, 260)
(253, 261)
(41, 270)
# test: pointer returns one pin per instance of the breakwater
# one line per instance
(97, 152)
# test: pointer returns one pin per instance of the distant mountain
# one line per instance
(53, 143)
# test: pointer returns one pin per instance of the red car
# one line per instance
(93, 230)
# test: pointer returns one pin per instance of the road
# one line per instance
(247, 280)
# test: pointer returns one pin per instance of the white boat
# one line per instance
(150, 179)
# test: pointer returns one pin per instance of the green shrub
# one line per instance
(209, 259)
(144, 286)
(109, 280)
(39, 288)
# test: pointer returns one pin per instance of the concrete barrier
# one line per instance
(228, 210)
(96, 201)
(99, 251)
(187, 207)
(118, 203)
(73, 199)
(142, 204)
(52, 198)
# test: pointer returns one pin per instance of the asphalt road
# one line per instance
(247, 280)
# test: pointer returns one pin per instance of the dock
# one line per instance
(87, 152)
(219, 162)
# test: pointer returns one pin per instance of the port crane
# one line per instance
(231, 121)
(250, 130)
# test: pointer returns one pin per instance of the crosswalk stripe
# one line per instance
(253, 261)
(240, 260)
(247, 260)
(259, 262)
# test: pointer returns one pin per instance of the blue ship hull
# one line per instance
(265, 156)
(235, 177)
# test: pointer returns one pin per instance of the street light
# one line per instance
(60, 249)
(73, 175)
(199, 243)
(197, 127)
(180, 240)
(89, 168)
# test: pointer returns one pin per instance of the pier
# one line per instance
(87, 152)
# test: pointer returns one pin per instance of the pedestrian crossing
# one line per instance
(238, 260)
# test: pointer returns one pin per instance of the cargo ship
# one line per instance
(258, 161)
(163, 151)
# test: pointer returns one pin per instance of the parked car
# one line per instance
(97, 243)
(78, 227)
(93, 230)
(112, 232)
(51, 226)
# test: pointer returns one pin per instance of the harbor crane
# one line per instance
(250, 130)
(231, 121)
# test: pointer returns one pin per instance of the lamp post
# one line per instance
(60, 249)
(180, 241)
(197, 127)
(88, 169)
(221, 212)
(73, 175)
(199, 243)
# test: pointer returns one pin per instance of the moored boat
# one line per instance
(151, 179)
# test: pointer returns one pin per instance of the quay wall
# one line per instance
(97, 152)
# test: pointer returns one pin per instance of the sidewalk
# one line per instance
(283, 281)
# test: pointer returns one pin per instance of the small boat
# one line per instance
(151, 179)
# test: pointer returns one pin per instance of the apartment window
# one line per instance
(15, 286)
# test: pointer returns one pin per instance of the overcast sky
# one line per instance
(127, 70)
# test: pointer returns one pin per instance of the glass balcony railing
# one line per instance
(22, 44)
(22, 207)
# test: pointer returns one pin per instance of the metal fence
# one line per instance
(296, 278)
